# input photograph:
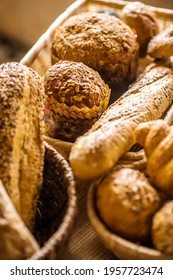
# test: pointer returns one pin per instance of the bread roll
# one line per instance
(162, 229)
(21, 136)
(102, 42)
(113, 134)
(157, 139)
(161, 45)
(76, 96)
(17, 243)
(143, 22)
(126, 202)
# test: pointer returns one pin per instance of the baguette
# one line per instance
(17, 243)
(113, 134)
(21, 137)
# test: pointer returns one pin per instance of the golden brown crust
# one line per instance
(161, 45)
(17, 243)
(76, 96)
(143, 21)
(100, 41)
(150, 134)
(158, 145)
(126, 202)
(113, 134)
(21, 136)
(162, 229)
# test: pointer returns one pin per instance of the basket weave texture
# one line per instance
(56, 207)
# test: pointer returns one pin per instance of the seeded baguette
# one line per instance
(17, 242)
(113, 134)
(21, 137)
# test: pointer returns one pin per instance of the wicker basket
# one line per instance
(56, 206)
(39, 58)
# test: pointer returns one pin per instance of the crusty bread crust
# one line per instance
(143, 21)
(100, 41)
(21, 136)
(161, 45)
(113, 134)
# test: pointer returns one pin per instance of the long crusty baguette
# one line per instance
(17, 243)
(21, 136)
(113, 134)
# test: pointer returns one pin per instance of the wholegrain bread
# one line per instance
(21, 136)
(102, 42)
(75, 96)
(125, 199)
(113, 134)
(17, 242)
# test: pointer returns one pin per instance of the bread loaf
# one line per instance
(17, 243)
(21, 137)
(113, 134)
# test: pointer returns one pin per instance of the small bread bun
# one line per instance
(126, 202)
(76, 96)
(161, 45)
(101, 41)
(143, 21)
(162, 229)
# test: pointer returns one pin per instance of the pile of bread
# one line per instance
(127, 201)
(93, 55)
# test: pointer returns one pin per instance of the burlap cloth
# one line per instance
(84, 243)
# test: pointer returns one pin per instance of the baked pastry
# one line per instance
(21, 136)
(161, 45)
(126, 202)
(17, 243)
(76, 96)
(143, 22)
(102, 42)
(157, 139)
(112, 135)
(162, 229)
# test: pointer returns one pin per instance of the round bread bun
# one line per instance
(143, 21)
(101, 41)
(161, 45)
(126, 203)
(76, 96)
(162, 229)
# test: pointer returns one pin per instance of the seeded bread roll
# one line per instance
(21, 137)
(126, 202)
(76, 96)
(17, 243)
(100, 41)
(113, 134)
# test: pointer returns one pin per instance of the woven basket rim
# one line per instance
(64, 229)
